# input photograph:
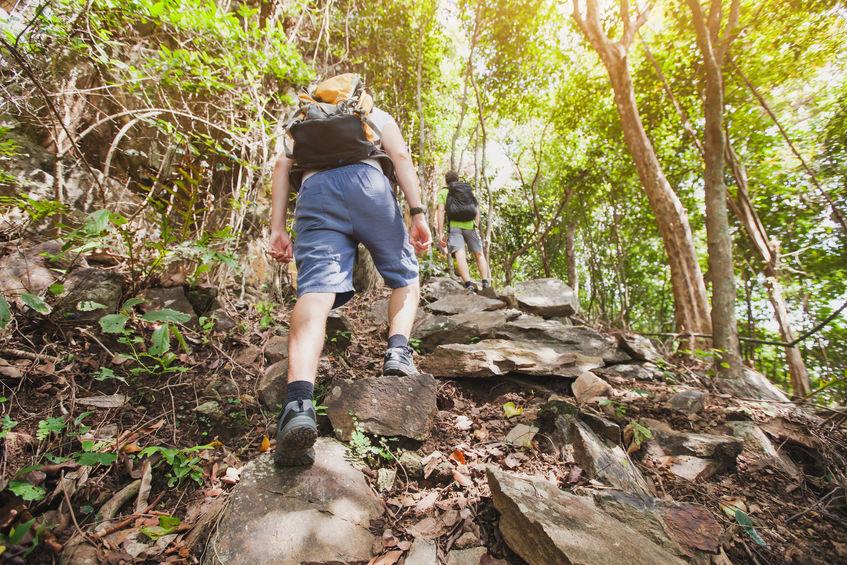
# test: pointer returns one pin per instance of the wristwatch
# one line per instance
(416, 210)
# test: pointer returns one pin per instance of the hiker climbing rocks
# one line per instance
(458, 204)
(344, 157)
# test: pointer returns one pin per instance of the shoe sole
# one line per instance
(398, 370)
(294, 447)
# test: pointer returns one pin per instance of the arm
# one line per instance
(439, 222)
(280, 243)
(395, 147)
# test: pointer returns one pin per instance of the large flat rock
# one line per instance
(316, 514)
(546, 297)
(433, 330)
(544, 524)
(438, 287)
(386, 406)
(463, 303)
(492, 357)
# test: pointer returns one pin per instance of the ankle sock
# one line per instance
(486, 283)
(469, 284)
(397, 340)
(299, 390)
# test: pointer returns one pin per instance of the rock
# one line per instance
(544, 524)
(248, 355)
(690, 401)
(439, 287)
(212, 409)
(639, 347)
(276, 348)
(26, 270)
(752, 386)
(562, 337)
(223, 321)
(546, 297)
(88, 285)
(761, 451)
(9, 371)
(80, 553)
(604, 428)
(645, 372)
(433, 331)
(463, 303)
(272, 385)
(507, 295)
(721, 447)
(411, 462)
(690, 468)
(491, 357)
(521, 435)
(422, 552)
(588, 387)
(171, 297)
(202, 299)
(602, 460)
(339, 330)
(385, 479)
(467, 539)
(470, 556)
(313, 514)
(386, 406)
(378, 314)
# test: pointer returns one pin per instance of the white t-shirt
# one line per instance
(380, 119)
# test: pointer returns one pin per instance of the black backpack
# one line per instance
(461, 205)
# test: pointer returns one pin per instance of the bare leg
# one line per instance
(306, 338)
(482, 263)
(402, 307)
(462, 265)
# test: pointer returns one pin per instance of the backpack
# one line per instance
(461, 205)
(331, 128)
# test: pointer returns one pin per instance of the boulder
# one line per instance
(544, 524)
(88, 285)
(386, 406)
(422, 552)
(579, 339)
(272, 385)
(315, 514)
(690, 401)
(602, 460)
(276, 348)
(378, 314)
(202, 298)
(171, 297)
(439, 287)
(546, 297)
(639, 347)
(752, 386)
(492, 357)
(470, 556)
(646, 372)
(759, 449)
(26, 270)
(507, 295)
(690, 468)
(433, 331)
(339, 330)
(588, 387)
(720, 447)
(463, 303)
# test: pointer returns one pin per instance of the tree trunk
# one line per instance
(721, 267)
(570, 256)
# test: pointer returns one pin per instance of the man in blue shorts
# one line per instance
(338, 207)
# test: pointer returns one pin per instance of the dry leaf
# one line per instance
(389, 558)
(144, 489)
(463, 423)
(426, 502)
(462, 479)
(428, 528)
(458, 456)
(106, 401)
(231, 476)
(265, 445)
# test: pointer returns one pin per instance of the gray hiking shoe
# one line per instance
(398, 361)
(296, 433)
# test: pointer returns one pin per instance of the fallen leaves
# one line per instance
(265, 445)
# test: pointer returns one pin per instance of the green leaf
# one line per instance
(745, 522)
(89, 306)
(167, 524)
(56, 289)
(16, 534)
(35, 302)
(113, 323)
(107, 374)
(511, 410)
(27, 491)
(161, 340)
(8, 425)
(5, 312)
(92, 458)
(131, 303)
(49, 426)
(166, 315)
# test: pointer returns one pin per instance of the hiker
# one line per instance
(344, 152)
(457, 202)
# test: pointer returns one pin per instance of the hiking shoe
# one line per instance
(471, 286)
(296, 434)
(486, 284)
(398, 362)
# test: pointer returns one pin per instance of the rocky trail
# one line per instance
(529, 437)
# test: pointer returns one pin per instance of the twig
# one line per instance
(128, 520)
(23, 354)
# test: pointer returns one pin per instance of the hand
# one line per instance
(280, 247)
(442, 243)
(419, 234)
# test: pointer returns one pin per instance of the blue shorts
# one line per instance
(338, 209)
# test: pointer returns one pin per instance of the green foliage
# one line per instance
(27, 491)
(182, 463)
(167, 524)
(265, 311)
(35, 303)
(50, 426)
(362, 448)
(7, 425)
(5, 312)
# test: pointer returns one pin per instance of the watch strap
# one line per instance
(416, 210)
